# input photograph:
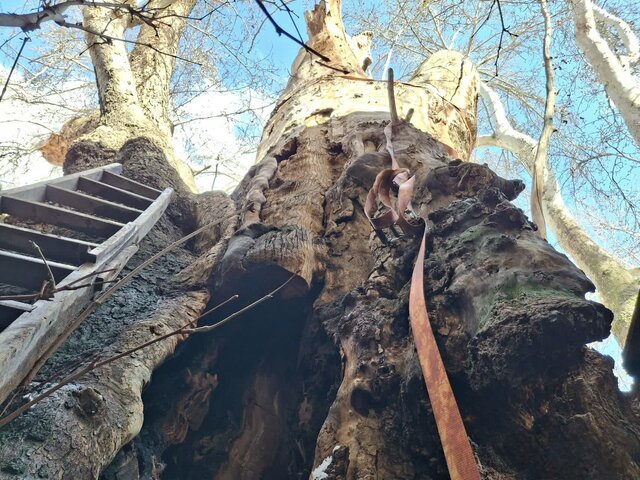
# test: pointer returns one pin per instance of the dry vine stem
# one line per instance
(94, 365)
(49, 287)
(105, 296)
(184, 330)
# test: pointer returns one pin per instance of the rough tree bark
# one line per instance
(324, 382)
(133, 88)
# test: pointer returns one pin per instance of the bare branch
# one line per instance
(107, 294)
(210, 328)
(97, 364)
(109, 38)
(541, 161)
(13, 67)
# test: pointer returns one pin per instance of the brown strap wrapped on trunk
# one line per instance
(453, 436)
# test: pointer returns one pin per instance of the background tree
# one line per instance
(60, 76)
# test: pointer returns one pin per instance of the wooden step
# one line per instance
(54, 247)
(130, 185)
(62, 217)
(114, 194)
(29, 272)
(10, 310)
(92, 205)
(27, 332)
(36, 191)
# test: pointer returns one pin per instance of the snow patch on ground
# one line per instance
(320, 472)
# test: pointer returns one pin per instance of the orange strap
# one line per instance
(453, 436)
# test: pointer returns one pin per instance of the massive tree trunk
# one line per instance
(323, 381)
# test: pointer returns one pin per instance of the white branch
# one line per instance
(616, 285)
(627, 36)
(55, 13)
(32, 21)
(541, 161)
(613, 72)
(504, 135)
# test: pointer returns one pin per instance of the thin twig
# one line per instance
(84, 277)
(209, 328)
(85, 285)
(215, 175)
(9, 402)
(291, 13)
(502, 32)
(15, 62)
(46, 264)
(152, 259)
(92, 366)
(106, 295)
(49, 287)
(184, 330)
(337, 69)
(109, 38)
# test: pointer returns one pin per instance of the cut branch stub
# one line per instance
(327, 35)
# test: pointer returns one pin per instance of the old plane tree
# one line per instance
(324, 379)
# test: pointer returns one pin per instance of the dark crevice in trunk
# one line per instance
(272, 376)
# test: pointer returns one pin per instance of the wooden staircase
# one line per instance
(81, 230)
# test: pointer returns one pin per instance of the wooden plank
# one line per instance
(130, 185)
(42, 212)
(54, 247)
(113, 194)
(10, 310)
(27, 338)
(29, 272)
(92, 205)
(135, 231)
(151, 215)
(24, 341)
(35, 192)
